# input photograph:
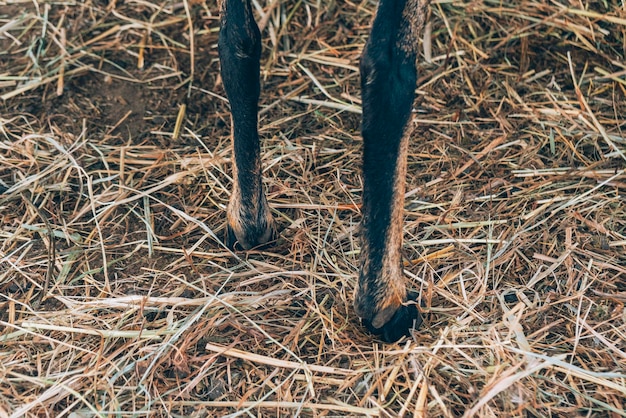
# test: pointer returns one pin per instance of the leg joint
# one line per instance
(239, 36)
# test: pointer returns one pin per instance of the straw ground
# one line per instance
(117, 296)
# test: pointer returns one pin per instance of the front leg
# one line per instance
(250, 222)
(388, 78)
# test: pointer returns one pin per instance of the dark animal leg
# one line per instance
(250, 222)
(388, 79)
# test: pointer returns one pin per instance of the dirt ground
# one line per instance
(118, 297)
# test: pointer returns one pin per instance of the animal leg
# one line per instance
(250, 222)
(388, 79)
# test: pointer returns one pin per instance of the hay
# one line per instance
(118, 297)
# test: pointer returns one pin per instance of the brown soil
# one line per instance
(117, 295)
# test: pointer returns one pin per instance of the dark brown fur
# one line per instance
(388, 74)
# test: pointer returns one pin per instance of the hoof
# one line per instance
(406, 318)
(250, 237)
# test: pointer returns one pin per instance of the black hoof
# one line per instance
(231, 240)
(406, 318)
(255, 238)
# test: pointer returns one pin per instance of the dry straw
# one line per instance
(117, 296)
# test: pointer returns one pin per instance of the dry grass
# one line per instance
(117, 296)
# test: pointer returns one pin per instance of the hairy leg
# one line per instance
(388, 78)
(250, 222)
